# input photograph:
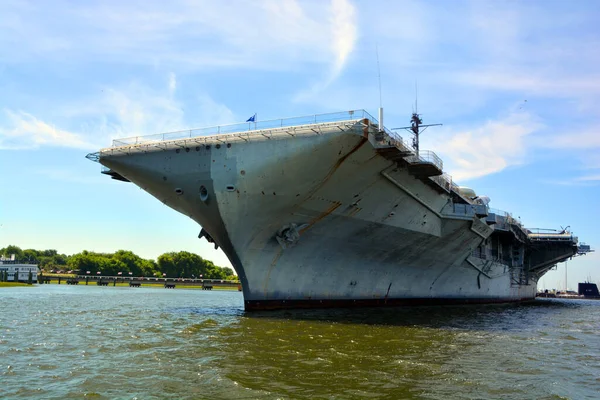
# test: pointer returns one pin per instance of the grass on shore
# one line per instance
(53, 275)
(13, 284)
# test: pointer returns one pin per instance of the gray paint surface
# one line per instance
(360, 226)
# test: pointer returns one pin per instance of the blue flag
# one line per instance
(252, 118)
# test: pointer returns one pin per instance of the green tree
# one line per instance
(86, 261)
(30, 255)
(11, 249)
(184, 264)
(135, 264)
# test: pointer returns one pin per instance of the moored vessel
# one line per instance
(337, 210)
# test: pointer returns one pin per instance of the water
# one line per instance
(121, 343)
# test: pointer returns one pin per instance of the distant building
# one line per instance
(18, 271)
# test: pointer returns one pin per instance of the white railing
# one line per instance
(505, 219)
(498, 212)
(426, 156)
(445, 181)
(352, 115)
(398, 141)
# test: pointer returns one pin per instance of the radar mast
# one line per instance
(416, 127)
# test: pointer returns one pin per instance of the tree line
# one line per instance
(182, 264)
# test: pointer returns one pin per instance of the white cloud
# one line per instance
(588, 178)
(575, 139)
(491, 147)
(344, 33)
(571, 182)
(172, 83)
(211, 113)
(590, 160)
(267, 34)
(138, 110)
(131, 110)
(523, 80)
(25, 131)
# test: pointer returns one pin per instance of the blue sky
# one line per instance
(516, 85)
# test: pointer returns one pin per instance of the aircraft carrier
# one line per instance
(335, 210)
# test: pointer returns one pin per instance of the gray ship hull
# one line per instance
(332, 218)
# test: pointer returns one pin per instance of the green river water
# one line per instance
(63, 342)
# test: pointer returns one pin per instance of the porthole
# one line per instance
(228, 145)
(208, 147)
(177, 150)
(218, 146)
(203, 193)
(178, 191)
(187, 149)
(230, 188)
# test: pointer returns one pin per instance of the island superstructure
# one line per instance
(337, 210)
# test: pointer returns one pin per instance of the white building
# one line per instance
(18, 271)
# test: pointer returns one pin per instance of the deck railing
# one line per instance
(398, 141)
(426, 156)
(498, 212)
(352, 115)
(445, 181)
(239, 129)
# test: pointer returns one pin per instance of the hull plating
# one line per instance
(354, 228)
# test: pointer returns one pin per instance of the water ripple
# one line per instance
(113, 343)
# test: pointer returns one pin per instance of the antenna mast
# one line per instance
(416, 98)
(416, 124)
(379, 76)
(381, 128)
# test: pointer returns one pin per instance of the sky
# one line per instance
(515, 84)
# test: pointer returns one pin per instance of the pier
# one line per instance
(135, 282)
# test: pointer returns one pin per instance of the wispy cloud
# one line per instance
(172, 83)
(588, 178)
(488, 148)
(343, 36)
(267, 34)
(344, 33)
(21, 130)
(469, 66)
(571, 182)
(520, 79)
(131, 110)
(583, 139)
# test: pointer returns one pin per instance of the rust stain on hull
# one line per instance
(325, 213)
(336, 204)
(343, 158)
(273, 263)
(366, 123)
(337, 165)
(354, 212)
